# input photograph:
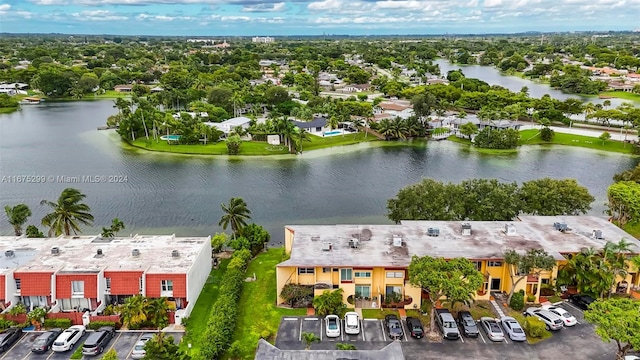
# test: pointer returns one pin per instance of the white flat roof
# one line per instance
(488, 240)
(79, 253)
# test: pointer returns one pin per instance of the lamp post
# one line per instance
(189, 346)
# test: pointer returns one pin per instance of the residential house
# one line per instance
(123, 88)
(356, 88)
(317, 126)
(370, 262)
(391, 110)
(228, 126)
(89, 272)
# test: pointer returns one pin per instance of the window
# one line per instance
(544, 281)
(306, 270)
(478, 265)
(395, 274)
(17, 284)
(363, 291)
(77, 288)
(166, 285)
(108, 281)
(494, 263)
(326, 270)
(346, 275)
(362, 274)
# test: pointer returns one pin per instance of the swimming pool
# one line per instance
(334, 132)
(170, 137)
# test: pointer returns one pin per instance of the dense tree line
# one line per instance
(488, 200)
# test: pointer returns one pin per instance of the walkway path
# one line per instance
(497, 307)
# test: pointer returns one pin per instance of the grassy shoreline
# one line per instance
(621, 95)
(531, 138)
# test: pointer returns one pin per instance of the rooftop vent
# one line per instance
(354, 243)
(598, 234)
(327, 246)
(175, 253)
(9, 253)
(397, 241)
(135, 252)
(466, 229)
(433, 231)
(510, 229)
(55, 250)
(562, 227)
(99, 252)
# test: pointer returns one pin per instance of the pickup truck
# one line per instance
(447, 324)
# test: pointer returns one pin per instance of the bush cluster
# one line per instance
(497, 138)
(57, 323)
(95, 325)
(224, 312)
(534, 327)
(517, 301)
(5, 324)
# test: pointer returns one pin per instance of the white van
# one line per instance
(351, 323)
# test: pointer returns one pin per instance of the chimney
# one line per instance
(466, 229)
(99, 252)
(510, 229)
(397, 241)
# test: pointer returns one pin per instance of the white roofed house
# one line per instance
(391, 110)
(228, 126)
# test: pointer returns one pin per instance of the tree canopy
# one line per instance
(617, 320)
(488, 200)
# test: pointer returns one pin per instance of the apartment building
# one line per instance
(85, 273)
(370, 262)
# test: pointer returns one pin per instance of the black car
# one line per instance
(467, 324)
(415, 327)
(394, 327)
(8, 337)
(581, 301)
(97, 341)
(45, 340)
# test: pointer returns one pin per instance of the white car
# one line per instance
(332, 326)
(351, 323)
(551, 320)
(567, 318)
(68, 338)
(138, 351)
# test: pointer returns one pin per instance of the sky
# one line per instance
(314, 17)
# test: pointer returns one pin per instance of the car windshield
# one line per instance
(516, 330)
(40, 342)
(567, 315)
(417, 329)
(557, 321)
(139, 347)
(394, 325)
(494, 327)
(449, 325)
(59, 343)
(469, 322)
(332, 325)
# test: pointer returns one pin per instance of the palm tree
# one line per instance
(235, 215)
(616, 255)
(303, 135)
(17, 216)
(134, 311)
(67, 213)
(357, 123)
(158, 309)
(309, 339)
(111, 231)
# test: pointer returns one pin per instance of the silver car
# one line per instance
(491, 328)
(513, 329)
(138, 351)
(551, 320)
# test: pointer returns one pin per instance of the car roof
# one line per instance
(465, 314)
(548, 314)
(487, 318)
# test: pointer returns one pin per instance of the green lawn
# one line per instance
(633, 230)
(250, 147)
(481, 308)
(622, 95)
(257, 307)
(529, 137)
(197, 322)
(378, 314)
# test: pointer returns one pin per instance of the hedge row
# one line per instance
(95, 325)
(224, 312)
(57, 323)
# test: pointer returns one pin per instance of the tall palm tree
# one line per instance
(158, 309)
(68, 211)
(615, 254)
(17, 216)
(235, 215)
(134, 311)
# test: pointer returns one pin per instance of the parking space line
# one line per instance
(505, 340)
(50, 355)
(290, 319)
(14, 345)
(321, 330)
(481, 337)
(114, 341)
(384, 336)
(27, 356)
(133, 347)
(572, 306)
(461, 339)
(342, 332)
(362, 328)
(300, 332)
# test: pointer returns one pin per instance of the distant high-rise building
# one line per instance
(262, 39)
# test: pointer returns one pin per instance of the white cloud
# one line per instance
(325, 5)
(492, 3)
(401, 4)
(4, 7)
(264, 7)
(98, 15)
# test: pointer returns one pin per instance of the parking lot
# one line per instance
(579, 341)
(123, 343)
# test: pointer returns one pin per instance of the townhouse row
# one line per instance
(370, 262)
(86, 273)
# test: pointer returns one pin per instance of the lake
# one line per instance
(165, 193)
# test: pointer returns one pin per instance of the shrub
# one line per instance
(534, 327)
(5, 324)
(57, 323)
(17, 310)
(224, 312)
(95, 325)
(546, 134)
(517, 301)
(531, 298)
(77, 355)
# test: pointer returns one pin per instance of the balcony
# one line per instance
(322, 285)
